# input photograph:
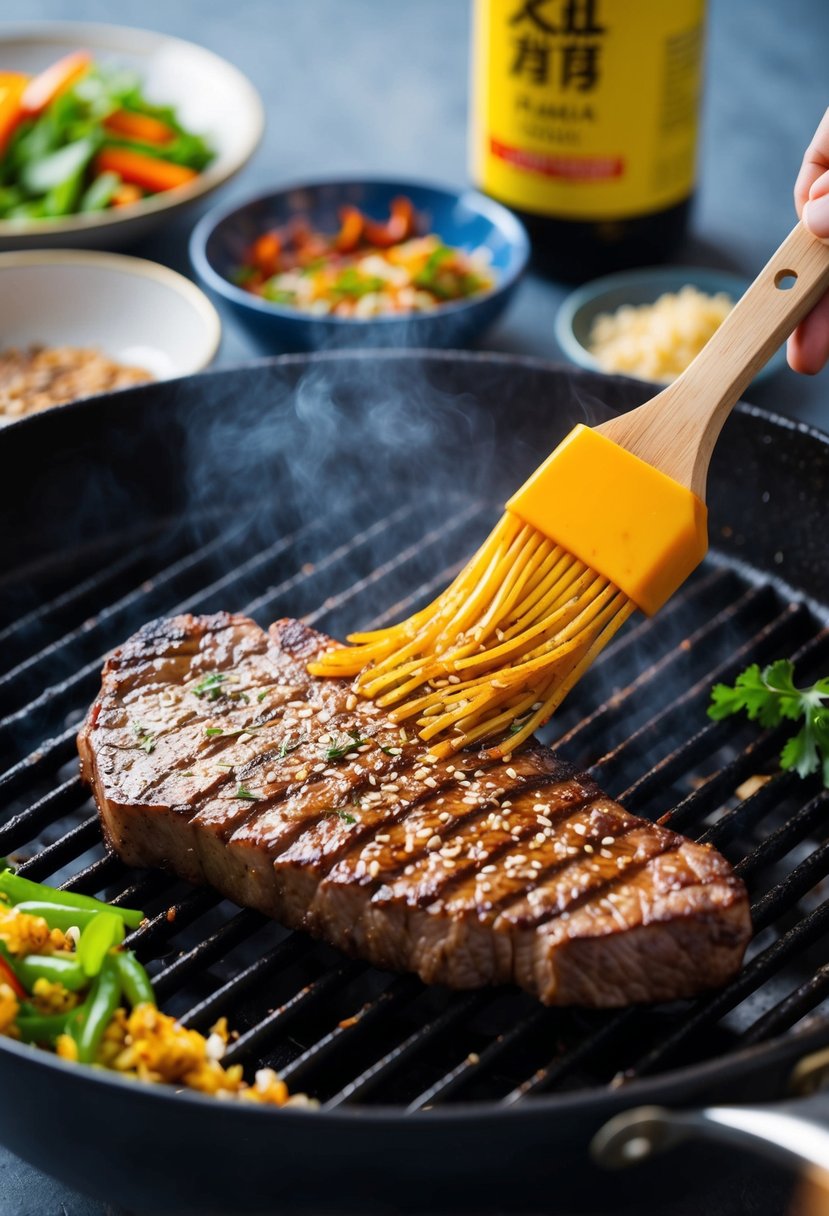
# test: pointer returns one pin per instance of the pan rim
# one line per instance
(667, 1088)
(409, 355)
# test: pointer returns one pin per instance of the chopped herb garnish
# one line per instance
(188, 774)
(261, 696)
(246, 795)
(337, 750)
(344, 815)
(145, 738)
(390, 751)
(210, 731)
(518, 724)
(210, 686)
(240, 696)
(286, 747)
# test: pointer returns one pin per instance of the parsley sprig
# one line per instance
(769, 696)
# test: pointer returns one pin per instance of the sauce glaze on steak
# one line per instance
(212, 753)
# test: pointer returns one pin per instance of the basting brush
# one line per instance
(613, 521)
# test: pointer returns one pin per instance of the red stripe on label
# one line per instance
(571, 168)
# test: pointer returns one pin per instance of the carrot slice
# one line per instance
(42, 90)
(143, 127)
(12, 85)
(142, 170)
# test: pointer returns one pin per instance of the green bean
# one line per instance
(99, 1008)
(102, 933)
(20, 890)
(57, 916)
(57, 968)
(41, 1028)
(135, 982)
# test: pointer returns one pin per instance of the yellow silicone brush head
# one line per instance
(592, 535)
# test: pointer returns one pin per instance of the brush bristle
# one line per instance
(497, 652)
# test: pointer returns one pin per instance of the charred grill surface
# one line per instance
(212, 753)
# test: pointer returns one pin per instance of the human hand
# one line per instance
(808, 347)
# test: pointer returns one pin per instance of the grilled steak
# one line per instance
(212, 753)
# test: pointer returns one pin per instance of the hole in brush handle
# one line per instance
(784, 280)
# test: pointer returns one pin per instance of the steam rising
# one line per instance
(336, 488)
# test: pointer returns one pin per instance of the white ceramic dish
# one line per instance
(212, 97)
(134, 311)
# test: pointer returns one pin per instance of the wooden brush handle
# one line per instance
(676, 430)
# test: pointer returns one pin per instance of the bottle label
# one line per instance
(586, 109)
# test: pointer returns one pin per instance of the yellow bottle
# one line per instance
(584, 122)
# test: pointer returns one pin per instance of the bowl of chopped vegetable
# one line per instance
(365, 263)
(105, 131)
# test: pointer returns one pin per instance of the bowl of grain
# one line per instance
(75, 323)
(649, 323)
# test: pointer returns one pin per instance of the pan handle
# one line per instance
(793, 1133)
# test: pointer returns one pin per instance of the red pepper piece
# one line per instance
(348, 238)
(399, 227)
(7, 976)
(264, 253)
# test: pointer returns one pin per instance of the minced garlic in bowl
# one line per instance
(657, 341)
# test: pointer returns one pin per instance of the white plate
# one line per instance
(134, 311)
(211, 96)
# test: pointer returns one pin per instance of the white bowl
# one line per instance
(211, 96)
(134, 311)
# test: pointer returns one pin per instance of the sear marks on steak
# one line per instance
(212, 753)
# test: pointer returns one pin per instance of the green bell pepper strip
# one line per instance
(98, 195)
(135, 983)
(57, 916)
(102, 933)
(20, 890)
(42, 1027)
(57, 968)
(39, 176)
(99, 1008)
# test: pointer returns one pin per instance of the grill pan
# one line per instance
(346, 489)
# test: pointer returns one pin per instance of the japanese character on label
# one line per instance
(573, 64)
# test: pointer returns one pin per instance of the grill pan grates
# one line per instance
(334, 1026)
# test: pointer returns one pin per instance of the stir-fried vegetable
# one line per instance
(82, 137)
(68, 984)
(18, 889)
(365, 269)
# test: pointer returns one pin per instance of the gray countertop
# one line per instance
(355, 86)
